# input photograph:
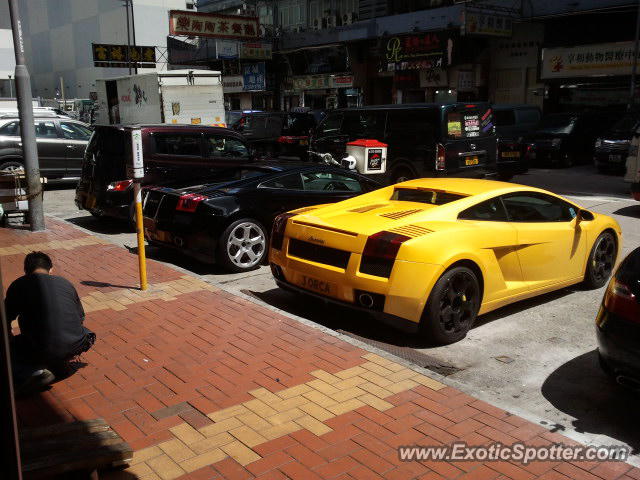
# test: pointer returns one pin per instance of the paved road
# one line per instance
(536, 358)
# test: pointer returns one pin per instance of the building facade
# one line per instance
(59, 35)
(556, 54)
(7, 56)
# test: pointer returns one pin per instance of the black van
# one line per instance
(170, 152)
(424, 139)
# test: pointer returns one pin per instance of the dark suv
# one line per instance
(612, 148)
(171, 152)
(61, 143)
(281, 134)
(424, 140)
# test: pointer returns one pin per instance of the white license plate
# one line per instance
(615, 158)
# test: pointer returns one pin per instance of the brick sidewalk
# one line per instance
(205, 385)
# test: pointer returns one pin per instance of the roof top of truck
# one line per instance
(172, 73)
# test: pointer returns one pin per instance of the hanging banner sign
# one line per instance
(109, 55)
(587, 60)
(256, 51)
(197, 24)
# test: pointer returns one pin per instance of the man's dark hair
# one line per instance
(36, 260)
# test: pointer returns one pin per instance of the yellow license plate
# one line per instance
(471, 161)
(304, 142)
(510, 154)
(159, 236)
(316, 285)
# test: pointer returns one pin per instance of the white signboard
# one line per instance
(226, 49)
(587, 60)
(136, 153)
(233, 83)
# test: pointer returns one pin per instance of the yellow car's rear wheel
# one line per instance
(452, 306)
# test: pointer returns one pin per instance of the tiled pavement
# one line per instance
(207, 385)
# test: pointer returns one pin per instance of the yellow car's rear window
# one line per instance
(431, 197)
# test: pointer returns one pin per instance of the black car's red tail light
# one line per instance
(441, 157)
(380, 253)
(120, 186)
(189, 202)
(277, 232)
(620, 300)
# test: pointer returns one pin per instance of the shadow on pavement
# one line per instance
(580, 389)
(91, 283)
(632, 211)
(104, 226)
(167, 255)
(61, 184)
(581, 180)
(523, 305)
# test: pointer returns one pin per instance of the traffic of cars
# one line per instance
(260, 192)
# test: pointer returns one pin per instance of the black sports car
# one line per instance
(227, 218)
(618, 324)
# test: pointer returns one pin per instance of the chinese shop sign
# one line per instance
(256, 51)
(486, 24)
(415, 52)
(318, 82)
(588, 60)
(108, 55)
(253, 76)
(195, 24)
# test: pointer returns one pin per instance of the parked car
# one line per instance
(423, 139)
(618, 324)
(513, 124)
(612, 148)
(633, 166)
(277, 134)
(515, 121)
(171, 152)
(232, 116)
(432, 254)
(61, 144)
(226, 219)
(564, 139)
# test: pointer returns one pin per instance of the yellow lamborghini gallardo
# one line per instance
(432, 254)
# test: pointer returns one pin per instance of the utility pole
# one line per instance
(27, 132)
(126, 6)
(133, 34)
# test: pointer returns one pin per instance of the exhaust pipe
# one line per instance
(365, 300)
(628, 382)
(178, 241)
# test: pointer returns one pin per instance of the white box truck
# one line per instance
(175, 96)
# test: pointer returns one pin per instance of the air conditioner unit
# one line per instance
(348, 18)
(316, 23)
(331, 21)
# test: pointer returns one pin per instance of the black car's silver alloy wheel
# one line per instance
(11, 167)
(246, 245)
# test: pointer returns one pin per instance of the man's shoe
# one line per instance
(35, 383)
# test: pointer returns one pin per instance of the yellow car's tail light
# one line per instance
(380, 253)
(277, 232)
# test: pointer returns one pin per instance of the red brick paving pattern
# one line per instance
(161, 364)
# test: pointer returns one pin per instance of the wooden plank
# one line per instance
(71, 428)
(35, 448)
(71, 461)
